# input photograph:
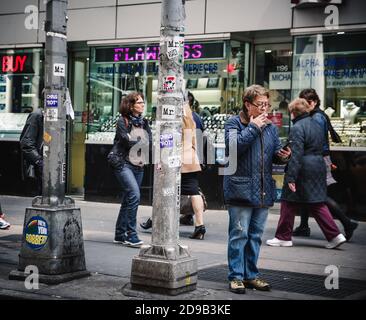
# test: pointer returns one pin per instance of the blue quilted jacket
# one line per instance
(252, 184)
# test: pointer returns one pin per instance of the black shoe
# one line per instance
(199, 232)
(349, 230)
(146, 225)
(301, 232)
(186, 220)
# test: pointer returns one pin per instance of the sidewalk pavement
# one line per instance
(291, 269)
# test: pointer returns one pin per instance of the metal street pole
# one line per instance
(165, 265)
(52, 237)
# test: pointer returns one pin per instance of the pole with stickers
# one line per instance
(52, 236)
(166, 266)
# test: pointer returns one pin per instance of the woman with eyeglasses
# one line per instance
(129, 154)
(253, 144)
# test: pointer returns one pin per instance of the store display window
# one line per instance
(273, 65)
(216, 73)
(335, 66)
(21, 72)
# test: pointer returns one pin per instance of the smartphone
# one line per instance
(286, 145)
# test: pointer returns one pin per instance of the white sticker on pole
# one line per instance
(176, 42)
(168, 112)
(51, 114)
(63, 173)
(178, 195)
(59, 69)
(167, 192)
(173, 46)
(169, 83)
(174, 161)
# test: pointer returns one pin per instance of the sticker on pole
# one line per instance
(51, 114)
(166, 140)
(168, 112)
(36, 233)
(169, 83)
(176, 42)
(172, 53)
(63, 173)
(47, 137)
(52, 100)
(174, 161)
(59, 69)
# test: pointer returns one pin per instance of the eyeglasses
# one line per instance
(261, 105)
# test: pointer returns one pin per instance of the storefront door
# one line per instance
(78, 91)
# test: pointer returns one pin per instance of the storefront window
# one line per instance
(335, 66)
(273, 71)
(20, 87)
(215, 73)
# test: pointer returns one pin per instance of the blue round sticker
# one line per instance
(36, 233)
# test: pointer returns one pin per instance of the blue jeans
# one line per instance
(246, 227)
(130, 179)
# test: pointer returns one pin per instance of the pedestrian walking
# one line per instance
(130, 152)
(305, 179)
(31, 144)
(4, 225)
(190, 171)
(311, 96)
(250, 191)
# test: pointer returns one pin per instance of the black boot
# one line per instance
(199, 232)
(146, 225)
(349, 230)
(301, 231)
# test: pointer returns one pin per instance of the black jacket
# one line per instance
(31, 138)
(123, 141)
(306, 167)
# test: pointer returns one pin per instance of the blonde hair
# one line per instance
(298, 107)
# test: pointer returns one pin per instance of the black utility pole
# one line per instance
(52, 235)
(167, 266)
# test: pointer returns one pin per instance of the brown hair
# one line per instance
(298, 107)
(250, 93)
(255, 90)
(310, 95)
(127, 103)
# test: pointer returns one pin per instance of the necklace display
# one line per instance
(350, 111)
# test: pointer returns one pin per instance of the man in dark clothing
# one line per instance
(31, 143)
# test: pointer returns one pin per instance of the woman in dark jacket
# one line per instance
(129, 154)
(305, 179)
(323, 120)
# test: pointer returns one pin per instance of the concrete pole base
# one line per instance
(164, 274)
(52, 245)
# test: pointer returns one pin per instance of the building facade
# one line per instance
(113, 49)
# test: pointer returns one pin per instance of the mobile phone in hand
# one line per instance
(287, 145)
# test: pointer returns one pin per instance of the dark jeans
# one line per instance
(334, 209)
(130, 179)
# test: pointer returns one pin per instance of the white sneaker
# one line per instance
(336, 242)
(278, 243)
(3, 224)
